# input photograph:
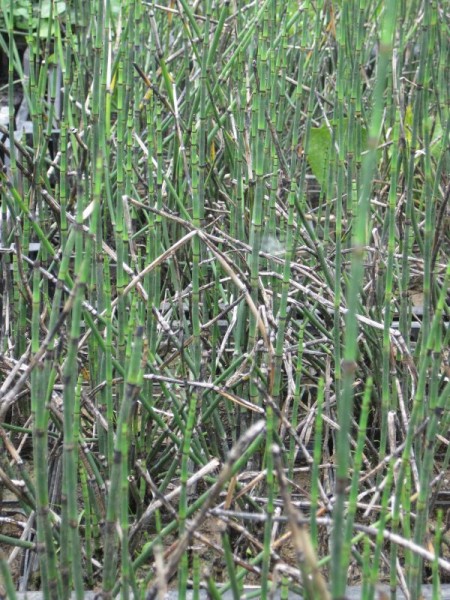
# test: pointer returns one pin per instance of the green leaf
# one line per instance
(45, 9)
(43, 28)
(408, 125)
(20, 12)
(58, 8)
(318, 152)
(319, 149)
(438, 142)
(116, 6)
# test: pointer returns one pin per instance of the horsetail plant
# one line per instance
(224, 230)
